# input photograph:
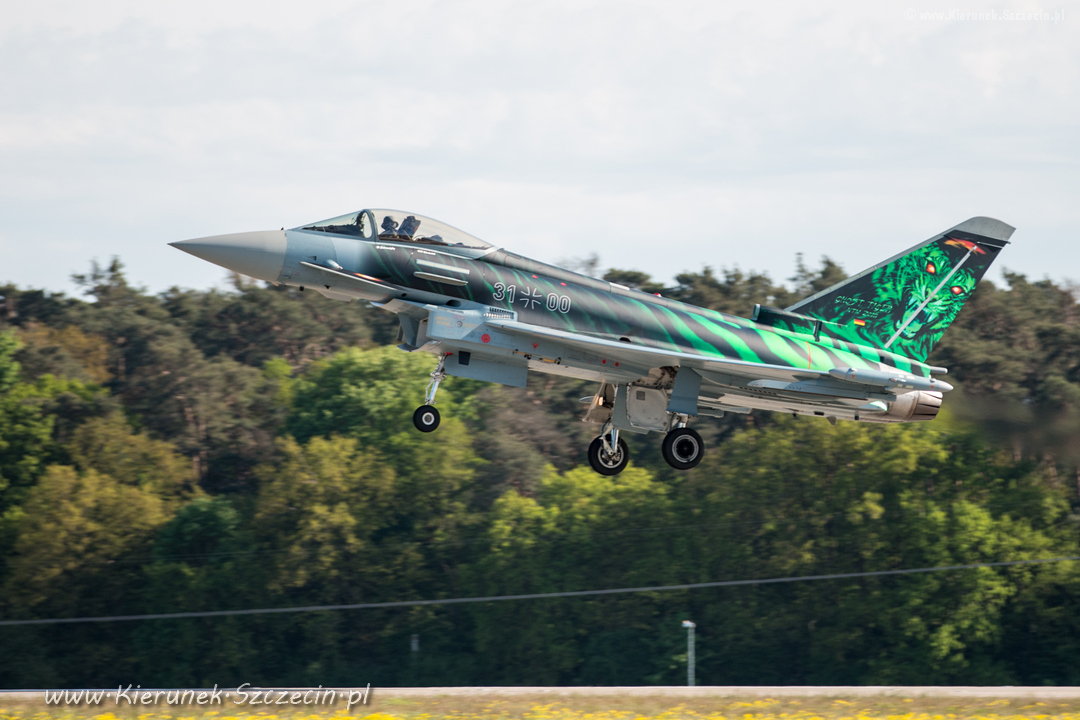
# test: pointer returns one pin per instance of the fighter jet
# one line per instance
(855, 351)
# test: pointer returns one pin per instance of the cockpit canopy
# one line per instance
(398, 226)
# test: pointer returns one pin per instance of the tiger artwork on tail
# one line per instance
(914, 297)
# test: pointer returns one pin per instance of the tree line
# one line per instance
(210, 450)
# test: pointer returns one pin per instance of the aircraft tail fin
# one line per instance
(906, 303)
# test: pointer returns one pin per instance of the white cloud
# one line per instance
(661, 135)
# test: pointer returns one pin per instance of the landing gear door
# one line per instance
(601, 405)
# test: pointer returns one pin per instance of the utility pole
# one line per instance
(689, 651)
(414, 651)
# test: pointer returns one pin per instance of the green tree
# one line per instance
(79, 538)
(34, 419)
(634, 279)
(733, 292)
(852, 498)
(581, 531)
(64, 352)
(73, 524)
(119, 400)
(9, 367)
(203, 558)
(338, 525)
(256, 323)
(25, 431)
(808, 282)
(220, 413)
(323, 505)
(108, 446)
(371, 395)
(520, 431)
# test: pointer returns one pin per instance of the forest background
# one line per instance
(209, 450)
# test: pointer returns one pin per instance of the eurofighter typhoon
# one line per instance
(855, 351)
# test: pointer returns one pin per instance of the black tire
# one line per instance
(426, 418)
(608, 465)
(683, 448)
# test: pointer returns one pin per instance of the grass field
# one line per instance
(541, 707)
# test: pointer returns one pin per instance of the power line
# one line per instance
(530, 596)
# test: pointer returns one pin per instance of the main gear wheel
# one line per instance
(606, 462)
(683, 448)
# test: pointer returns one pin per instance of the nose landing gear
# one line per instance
(427, 418)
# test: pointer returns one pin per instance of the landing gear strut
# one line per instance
(608, 454)
(426, 418)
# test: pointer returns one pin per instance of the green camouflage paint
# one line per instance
(914, 297)
(821, 336)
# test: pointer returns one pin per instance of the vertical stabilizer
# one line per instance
(906, 303)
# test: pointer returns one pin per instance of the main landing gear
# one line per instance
(682, 448)
(608, 454)
(426, 418)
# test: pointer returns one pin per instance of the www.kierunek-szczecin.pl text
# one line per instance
(242, 695)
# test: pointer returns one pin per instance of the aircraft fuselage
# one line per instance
(546, 296)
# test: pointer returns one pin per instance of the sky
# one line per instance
(661, 136)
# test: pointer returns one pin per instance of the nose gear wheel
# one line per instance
(683, 448)
(426, 418)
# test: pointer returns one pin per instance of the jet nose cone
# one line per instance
(255, 254)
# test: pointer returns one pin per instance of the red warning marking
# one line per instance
(604, 361)
(616, 364)
(536, 345)
(485, 338)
